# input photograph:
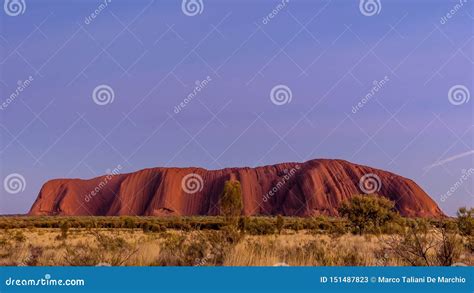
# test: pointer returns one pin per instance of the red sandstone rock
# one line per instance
(316, 187)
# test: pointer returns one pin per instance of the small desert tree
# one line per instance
(422, 244)
(280, 223)
(64, 229)
(231, 200)
(368, 213)
(466, 221)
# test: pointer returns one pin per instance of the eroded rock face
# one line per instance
(316, 187)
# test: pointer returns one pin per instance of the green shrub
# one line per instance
(449, 246)
(368, 213)
(419, 245)
(465, 221)
(230, 203)
(107, 250)
(155, 228)
(128, 223)
(243, 224)
(260, 226)
(202, 248)
(146, 227)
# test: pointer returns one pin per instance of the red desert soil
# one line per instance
(316, 187)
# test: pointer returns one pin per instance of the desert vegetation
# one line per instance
(369, 233)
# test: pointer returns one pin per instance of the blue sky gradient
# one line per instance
(151, 54)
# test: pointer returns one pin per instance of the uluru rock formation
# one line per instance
(316, 187)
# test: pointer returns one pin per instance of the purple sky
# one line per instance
(328, 53)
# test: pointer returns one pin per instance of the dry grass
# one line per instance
(305, 250)
(132, 247)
